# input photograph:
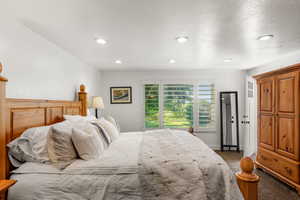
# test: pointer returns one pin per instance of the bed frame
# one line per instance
(16, 115)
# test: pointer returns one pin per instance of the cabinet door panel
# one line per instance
(287, 137)
(287, 86)
(287, 115)
(266, 94)
(266, 131)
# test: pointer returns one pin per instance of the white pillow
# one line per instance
(105, 137)
(61, 150)
(75, 118)
(109, 128)
(87, 142)
(113, 121)
(31, 146)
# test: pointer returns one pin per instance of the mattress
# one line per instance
(160, 164)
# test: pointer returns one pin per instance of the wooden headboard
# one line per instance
(17, 115)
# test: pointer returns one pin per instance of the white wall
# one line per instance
(131, 116)
(37, 68)
(277, 63)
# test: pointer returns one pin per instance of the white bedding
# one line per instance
(160, 164)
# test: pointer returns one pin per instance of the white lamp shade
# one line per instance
(97, 102)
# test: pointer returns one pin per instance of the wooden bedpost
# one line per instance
(82, 94)
(3, 164)
(247, 180)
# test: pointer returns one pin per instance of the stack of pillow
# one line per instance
(61, 143)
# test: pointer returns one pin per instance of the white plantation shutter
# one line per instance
(152, 115)
(207, 102)
(178, 105)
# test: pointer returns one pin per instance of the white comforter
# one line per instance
(162, 164)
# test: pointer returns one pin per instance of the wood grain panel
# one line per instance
(5, 184)
(286, 85)
(279, 164)
(72, 110)
(267, 94)
(23, 119)
(27, 113)
(266, 136)
(54, 115)
(286, 135)
(287, 138)
(3, 154)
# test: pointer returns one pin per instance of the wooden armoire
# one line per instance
(278, 124)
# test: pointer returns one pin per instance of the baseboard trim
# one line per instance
(218, 148)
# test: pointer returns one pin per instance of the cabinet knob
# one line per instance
(288, 170)
(287, 148)
(263, 157)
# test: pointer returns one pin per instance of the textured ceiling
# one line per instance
(142, 33)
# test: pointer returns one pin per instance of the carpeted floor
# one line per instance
(269, 188)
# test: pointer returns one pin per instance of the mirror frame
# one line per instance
(237, 122)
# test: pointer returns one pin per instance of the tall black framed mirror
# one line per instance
(229, 119)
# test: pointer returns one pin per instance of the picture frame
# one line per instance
(121, 95)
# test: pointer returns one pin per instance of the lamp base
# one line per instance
(96, 113)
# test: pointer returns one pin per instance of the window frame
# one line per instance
(196, 105)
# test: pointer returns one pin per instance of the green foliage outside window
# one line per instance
(177, 108)
(152, 106)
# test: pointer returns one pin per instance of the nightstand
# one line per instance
(4, 185)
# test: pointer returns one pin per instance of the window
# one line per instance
(207, 101)
(180, 106)
(152, 119)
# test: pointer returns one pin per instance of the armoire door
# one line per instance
(266, 131)
(266, 119)
(266, 95)
(287, 115)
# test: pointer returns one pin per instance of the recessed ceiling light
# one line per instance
(228, 60)
(172, 61)
(182, 39)
(265, 37)
(101, 41)
(118, 62)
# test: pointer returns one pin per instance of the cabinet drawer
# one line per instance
(283, 166)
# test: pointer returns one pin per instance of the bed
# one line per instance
(160, 164)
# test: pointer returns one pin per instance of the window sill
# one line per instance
(196, 131)
(205, 131)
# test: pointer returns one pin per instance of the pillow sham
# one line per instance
(31, 146)
(114, 122)
(75, 118)
(105, 137)
(61, 150)
(109, 128)
(87, 141)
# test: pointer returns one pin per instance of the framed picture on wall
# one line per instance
(120, 95)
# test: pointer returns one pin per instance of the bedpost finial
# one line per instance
(1, 77)
(247, 179)
(247, 165)
(82, 88)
